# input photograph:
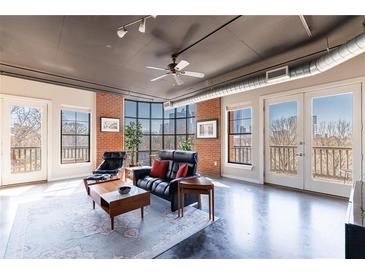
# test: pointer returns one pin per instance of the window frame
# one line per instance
(229, 134)
(75, 135)
(163, 119)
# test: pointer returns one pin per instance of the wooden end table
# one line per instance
(106, 195)
(198, 186)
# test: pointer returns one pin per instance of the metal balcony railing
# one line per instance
(25, 159)
(75, 154)
(330, 162)
(242, 154)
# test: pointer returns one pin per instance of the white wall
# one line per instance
(58, 97)
(351, 69)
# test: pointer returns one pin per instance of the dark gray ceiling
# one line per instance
(86, 51)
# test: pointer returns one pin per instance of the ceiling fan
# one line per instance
(176, 70)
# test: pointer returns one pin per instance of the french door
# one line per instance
(284, 145)
(24, 141)
(313, 140)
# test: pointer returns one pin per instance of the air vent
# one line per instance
(278, 74)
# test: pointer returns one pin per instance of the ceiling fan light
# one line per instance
(122, 32)
(142, 26)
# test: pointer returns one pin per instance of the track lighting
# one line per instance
(142, 26)
(121, 32)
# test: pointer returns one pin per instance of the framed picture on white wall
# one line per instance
(109, 124)
(206, 129)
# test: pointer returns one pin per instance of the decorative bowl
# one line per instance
(124, 189)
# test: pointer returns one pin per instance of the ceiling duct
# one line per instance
(341, 54)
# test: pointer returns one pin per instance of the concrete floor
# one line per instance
(255, 221)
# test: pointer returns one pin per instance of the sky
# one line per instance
(327, 108)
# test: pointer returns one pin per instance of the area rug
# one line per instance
(67, 227)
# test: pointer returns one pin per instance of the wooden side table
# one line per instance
(198, 186)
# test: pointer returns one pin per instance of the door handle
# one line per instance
(299, 154)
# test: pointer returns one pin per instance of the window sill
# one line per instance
(75, 165)
(239, 166)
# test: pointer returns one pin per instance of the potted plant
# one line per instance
(186, 145)
(133, 138)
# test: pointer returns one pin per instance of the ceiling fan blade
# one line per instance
(178, 80)
(181, 65)
(193, 74)
(156, 68)
(159, 77)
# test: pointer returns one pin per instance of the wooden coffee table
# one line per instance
(106, 195)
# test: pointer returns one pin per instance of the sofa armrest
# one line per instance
(139, 173)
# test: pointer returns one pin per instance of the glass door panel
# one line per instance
(25, 139)
(332, 138)
(333, 124)
(24, 147)
(284, 146)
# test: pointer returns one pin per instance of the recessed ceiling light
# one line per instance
(108, 46)
(121, 32)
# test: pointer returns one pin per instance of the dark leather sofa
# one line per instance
(167, 188)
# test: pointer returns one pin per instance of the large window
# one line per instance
(162, 129)
(239, 136)
(75, 137)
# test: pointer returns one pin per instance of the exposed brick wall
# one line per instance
(209, 150)
(108, 105)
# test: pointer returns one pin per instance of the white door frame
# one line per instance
(48, 124)
(357, 80)
(321, 185)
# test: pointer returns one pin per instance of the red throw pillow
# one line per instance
(183, 171)
(159, 168)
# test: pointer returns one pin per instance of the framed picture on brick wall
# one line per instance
(109, 124)
(206, 129)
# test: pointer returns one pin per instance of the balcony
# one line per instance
(242, 154)
(73, 154)
(28, 159)
(328, 162)
(25, 159)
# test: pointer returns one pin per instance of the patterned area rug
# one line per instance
(67, 227)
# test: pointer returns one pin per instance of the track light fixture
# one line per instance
(142, 26)
(122, 31)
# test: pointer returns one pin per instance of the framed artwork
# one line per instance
(206, 129)
(109, 124)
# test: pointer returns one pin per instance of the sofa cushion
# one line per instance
(146, 182)
(160, 187)
(183, 171)
(159, 168)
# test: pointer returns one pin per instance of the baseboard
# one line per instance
(69, 177)
(250, 180)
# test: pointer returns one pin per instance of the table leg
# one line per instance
(199, 201)
(93, 204)
(178, 200)
(112, 222)
(142, 212)
(183, 202)
(213, 202)
(210, 204)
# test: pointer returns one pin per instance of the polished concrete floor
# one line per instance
(255, 221)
